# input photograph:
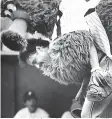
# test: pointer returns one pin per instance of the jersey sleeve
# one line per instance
(44, 114)
(18, 114)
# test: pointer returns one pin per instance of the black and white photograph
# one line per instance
(56, 58)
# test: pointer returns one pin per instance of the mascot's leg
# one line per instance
(97, 29)
(94, 109)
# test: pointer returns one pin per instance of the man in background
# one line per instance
(31, 110)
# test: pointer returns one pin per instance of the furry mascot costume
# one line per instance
(28, 16)
(69, 54)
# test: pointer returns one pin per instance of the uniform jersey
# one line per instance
(39, 113)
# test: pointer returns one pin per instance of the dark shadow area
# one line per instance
(16, 80)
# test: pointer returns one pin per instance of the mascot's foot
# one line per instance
(13, 40)
(100, 85)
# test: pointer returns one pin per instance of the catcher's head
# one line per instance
(36, 51)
